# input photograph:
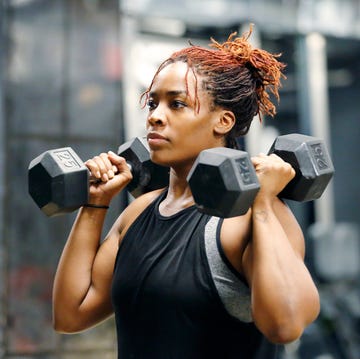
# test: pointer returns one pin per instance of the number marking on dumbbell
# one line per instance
(320, 156)
(243, 165)
(67, 159)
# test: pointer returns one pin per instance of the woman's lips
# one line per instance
(155, 138)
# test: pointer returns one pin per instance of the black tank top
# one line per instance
(165, 301)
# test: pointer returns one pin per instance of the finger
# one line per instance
(288, 167)
(108, 166)
(122, 167)
(257, 160)
(93, 168)
(118, 162)
(101, 165)
(115, 169)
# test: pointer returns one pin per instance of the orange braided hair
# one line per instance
(268, 68)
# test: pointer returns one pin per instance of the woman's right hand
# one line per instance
(112, 174)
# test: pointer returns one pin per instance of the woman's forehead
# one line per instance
(176, 77)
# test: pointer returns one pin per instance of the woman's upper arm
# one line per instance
(96, 305)
(103, 267)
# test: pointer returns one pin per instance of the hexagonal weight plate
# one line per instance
(147, 175)
(310, 158)
(223, 182)
(58, 181)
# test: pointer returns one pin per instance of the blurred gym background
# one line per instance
(71, 72)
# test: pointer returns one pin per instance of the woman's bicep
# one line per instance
(104, 262)
(97, 304)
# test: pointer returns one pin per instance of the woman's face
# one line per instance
(177, 131)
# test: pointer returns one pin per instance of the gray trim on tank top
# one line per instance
(234, 294)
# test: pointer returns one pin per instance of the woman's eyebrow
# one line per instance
(169, 93)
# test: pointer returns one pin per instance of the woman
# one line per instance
(185, 284)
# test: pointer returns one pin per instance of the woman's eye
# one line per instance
(178, 104)
(151, 104)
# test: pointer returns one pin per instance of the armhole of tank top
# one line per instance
(233, 292)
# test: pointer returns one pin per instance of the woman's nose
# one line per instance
(156, 117)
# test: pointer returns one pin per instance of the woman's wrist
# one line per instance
(93, 205)
(101, 201)
(97, 203)
(263, 201)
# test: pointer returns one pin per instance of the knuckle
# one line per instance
(97, 159)
(274, 156)
(288, 166)
(91, 164)
(103, 156)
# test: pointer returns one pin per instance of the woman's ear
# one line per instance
(225, 123)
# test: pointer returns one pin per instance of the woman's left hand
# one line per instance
(273, 174)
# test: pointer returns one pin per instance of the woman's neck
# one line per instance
(179, 195)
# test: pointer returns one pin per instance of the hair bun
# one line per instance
(265, 67)
(239, 47)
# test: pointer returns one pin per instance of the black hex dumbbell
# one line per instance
(310, 158)
(58, 180)
(224, 183)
